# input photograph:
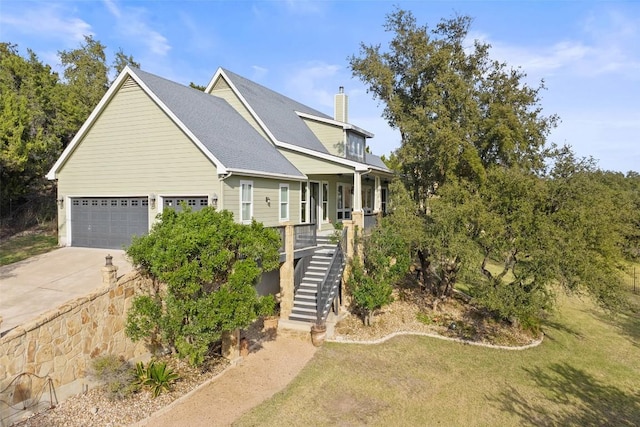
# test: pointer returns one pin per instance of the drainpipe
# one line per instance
(221, 178)
(357, 188)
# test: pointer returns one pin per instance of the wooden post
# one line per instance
(287, 273)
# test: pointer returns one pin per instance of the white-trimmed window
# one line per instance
(367, 199)
(303, 202)
(325, 201)
(284, 202)
(246, 201)
(343, 201)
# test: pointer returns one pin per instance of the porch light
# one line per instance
(268, 200)
(152, 200)
(60, 202)
(214, 200)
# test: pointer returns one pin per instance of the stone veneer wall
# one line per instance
(60, 344)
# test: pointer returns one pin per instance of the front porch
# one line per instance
(328, 199)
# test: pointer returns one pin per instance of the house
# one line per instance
(152, 143)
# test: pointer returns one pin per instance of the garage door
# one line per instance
(194, 203)
(108, 222)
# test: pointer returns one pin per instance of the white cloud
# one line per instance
(258, 73)
(132, 24)
(309, 84)
(607, 45)
(51, 19)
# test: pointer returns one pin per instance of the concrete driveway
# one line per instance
(31, 287)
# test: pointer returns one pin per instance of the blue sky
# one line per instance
(588, 52)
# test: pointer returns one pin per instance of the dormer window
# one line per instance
(355, 146)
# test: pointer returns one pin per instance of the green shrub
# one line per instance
(116, 374)
(156, 376)
(210, 265)
(267, 306)
(368, 294)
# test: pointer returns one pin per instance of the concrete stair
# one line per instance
(304, 300)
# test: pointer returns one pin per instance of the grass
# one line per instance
(585, 373)
(16, 249)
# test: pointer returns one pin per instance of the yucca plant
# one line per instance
(157, 376)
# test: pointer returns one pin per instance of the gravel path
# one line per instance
(221, 401)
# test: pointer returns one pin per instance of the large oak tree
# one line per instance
(503, 209)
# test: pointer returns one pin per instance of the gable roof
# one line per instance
(281, 118)
(220, 132)
(278, 112)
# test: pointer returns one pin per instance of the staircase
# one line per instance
(304, 300)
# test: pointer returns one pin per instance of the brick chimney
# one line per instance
(341, 104)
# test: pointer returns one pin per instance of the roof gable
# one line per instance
(283, 119)
(210, 122)
(276, 112)
(220, 128)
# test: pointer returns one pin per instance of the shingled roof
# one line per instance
(220, 128)
(278, 113)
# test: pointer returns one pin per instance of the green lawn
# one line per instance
(585, 373)
(18, 248)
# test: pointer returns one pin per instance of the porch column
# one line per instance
(287, 273)
(357, 191)
(377, 206)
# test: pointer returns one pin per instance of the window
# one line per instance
(355, 146)
(284, 202)
(343, 201)
(339, 201)
(303, 202)
(367, 199)
(325, 202)
(246, 201)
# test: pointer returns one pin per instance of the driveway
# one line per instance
(31, 287)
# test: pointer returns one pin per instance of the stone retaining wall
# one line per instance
(59, 345)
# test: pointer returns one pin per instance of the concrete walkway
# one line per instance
(36, 285)
(222, 400)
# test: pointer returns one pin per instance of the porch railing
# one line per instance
(299, 271)
(370, 220)
(304, 236)
(329, 287)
